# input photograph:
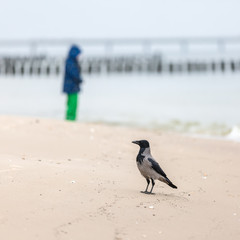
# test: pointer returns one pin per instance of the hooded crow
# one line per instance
(148, 167)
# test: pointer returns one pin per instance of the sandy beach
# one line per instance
(64, 180)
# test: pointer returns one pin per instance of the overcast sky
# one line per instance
(118, 18)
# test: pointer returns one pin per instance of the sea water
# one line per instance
(205, 104)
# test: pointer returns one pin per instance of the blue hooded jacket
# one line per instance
(72, 77)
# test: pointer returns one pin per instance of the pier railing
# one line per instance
(169, 55)
(35, 66)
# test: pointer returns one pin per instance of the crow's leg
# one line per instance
(148, 181)
(153, 183)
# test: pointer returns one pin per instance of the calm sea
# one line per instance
(205, 104)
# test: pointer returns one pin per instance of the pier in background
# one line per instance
(106, 56)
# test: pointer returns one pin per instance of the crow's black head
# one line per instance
(142, 143)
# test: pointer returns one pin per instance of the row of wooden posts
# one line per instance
(42, 66)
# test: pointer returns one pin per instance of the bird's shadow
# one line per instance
(174, 196)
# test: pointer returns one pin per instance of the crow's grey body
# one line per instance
(148, 167)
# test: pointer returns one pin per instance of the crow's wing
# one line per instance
(156, 167)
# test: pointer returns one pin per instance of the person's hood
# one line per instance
(74, 51)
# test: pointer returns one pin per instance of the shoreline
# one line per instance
(232, 136)
(151, 128)
(164, 127)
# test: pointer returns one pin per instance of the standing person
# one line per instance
(72, 82)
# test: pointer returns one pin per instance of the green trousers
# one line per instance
(72, 102)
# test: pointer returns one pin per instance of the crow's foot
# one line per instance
(146, 192)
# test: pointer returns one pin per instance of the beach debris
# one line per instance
(234, 134)
(73, 181)
(204, 176)
(151, 207)
(92, 130)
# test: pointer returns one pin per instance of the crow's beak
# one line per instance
(136, 142)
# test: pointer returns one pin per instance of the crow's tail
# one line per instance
(170, 183)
